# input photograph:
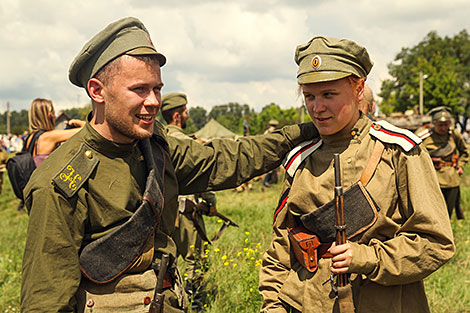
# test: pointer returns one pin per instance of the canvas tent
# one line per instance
(214, 130)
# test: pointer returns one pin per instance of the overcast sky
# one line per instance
(217, 51)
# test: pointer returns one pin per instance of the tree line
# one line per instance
(445, 65)
(230, 115)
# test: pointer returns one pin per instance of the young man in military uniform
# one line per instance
(449, 154)
(103, 205)
(190, 233)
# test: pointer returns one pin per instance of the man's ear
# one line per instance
(176, 117)
(95, 90)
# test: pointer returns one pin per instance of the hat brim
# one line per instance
(317, 77)
(148, 51)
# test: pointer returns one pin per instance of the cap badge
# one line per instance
(316, 62)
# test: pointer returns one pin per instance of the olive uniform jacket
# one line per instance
(410, 239)
(99, 197)
(455, 145)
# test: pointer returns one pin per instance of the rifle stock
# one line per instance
(343, 285)
(156, 306)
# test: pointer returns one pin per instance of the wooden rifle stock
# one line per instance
(343, 286)
(342, 279)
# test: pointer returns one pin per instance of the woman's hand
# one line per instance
(342, 257)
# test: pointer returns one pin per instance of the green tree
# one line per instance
(198, 116)
(232, 115)
(445, 62)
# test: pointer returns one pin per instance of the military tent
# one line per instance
(214, 129)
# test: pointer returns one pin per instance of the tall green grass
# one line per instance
(234, 260)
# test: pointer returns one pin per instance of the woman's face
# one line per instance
(333, 105)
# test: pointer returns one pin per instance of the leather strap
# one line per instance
(373, 162)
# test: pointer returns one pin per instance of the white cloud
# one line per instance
(218, 51)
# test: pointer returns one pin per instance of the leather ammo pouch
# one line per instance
(360, 213)
(305, 244)
(106, 258)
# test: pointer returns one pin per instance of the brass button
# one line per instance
(355, 137)
(353, 133)
(349, 160)
(88, 154)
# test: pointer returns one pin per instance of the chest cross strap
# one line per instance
(106, 258)
(372, 163)
(360, 208)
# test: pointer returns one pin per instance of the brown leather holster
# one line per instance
(307, 247)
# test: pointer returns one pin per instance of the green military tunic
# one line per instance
(410, 239)
(101, 187)
(447, 175)
(189, 243)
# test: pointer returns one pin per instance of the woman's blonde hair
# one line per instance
(40, 115)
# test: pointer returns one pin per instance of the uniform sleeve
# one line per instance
(423, 241)
(276, 263)
(225, 163)
(51, 271)
(464, 153)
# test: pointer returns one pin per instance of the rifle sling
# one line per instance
(106, 258)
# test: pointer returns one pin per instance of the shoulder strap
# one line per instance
(372, 163)
(389, 133)
(30, 147)
(299, 153)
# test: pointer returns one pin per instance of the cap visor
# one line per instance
(317, 77)
(148, 51)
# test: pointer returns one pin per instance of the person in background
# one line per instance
(367, 104)
(190, 233)
(397, 225)
(3, 163)
(246, 126)
(41, 117)
(449, 154)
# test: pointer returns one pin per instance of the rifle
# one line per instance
(203, 208)
(343, 285)
(156, 306)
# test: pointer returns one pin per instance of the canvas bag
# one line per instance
(21, 166)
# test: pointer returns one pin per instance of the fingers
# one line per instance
(342, 256)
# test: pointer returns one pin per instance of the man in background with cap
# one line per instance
(449, 154)
(103, 205)
(190, 233)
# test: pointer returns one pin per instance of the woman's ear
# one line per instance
(360, 90)
(95, 90)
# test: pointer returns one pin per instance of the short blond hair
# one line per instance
(38, 115)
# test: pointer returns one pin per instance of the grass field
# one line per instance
(235, 258)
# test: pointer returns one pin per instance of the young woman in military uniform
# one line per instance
(408, 235)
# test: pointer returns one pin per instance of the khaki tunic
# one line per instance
(59, 226)
(411, 238)
(447, 175)
(190, 245)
